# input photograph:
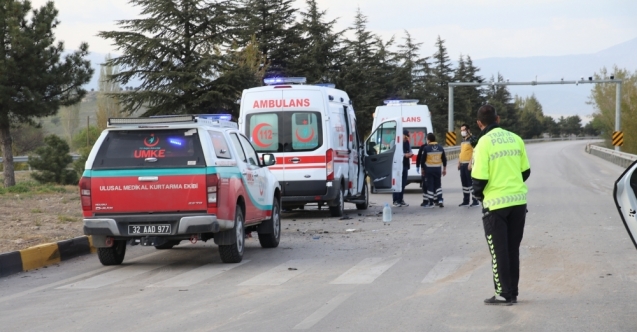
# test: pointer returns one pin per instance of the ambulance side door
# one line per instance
(625, 194)
(384, 156)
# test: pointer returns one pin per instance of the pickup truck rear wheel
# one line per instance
(273, 227)
(233, 253)
(113, 255)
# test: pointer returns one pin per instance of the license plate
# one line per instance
(148, 229)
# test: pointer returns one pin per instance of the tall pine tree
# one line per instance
(500, 97)
(320, 51)
(177, 51)
(441, 75)
(35, 79)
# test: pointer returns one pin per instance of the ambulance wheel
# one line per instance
(113, 255)
(233, 253)
(365, 193)
(273, 227)
(338, 209)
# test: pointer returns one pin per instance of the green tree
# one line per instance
(179, 52)
(107, 95)
(500, 97)
(82, 140)
(70, 118)
(320, 52)
(550, 126)
(441, 75)
(51, 162)
(603, 99)
(412, 70)
(358, 76)
(273, 24)
(467, 99)
(531, 122)
(36, 80)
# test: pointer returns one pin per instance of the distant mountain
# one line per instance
(560, 100)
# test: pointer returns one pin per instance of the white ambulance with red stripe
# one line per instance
(415, 118)
(320, 157)
(160, 180)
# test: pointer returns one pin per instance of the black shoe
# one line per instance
(424, 203)
(440, 204)
(474, 204)
(403, 203)
(498, 300)
(514, 299)
(463, 204)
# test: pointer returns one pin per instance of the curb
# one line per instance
(44, 255)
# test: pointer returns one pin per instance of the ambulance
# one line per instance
(313, 133)
(415, 118)
(161, 180)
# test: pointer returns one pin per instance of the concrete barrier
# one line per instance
(618, 158)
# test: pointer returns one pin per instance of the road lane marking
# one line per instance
(432, 229)
(72, 279)
(197, 275)
(280, 274)
(112, 277)
(322, 312)
(445, 268)
(365, 272)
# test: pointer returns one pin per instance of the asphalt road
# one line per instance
(429, 270)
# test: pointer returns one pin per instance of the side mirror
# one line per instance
(268, 159)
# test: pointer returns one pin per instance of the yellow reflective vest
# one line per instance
(500, 158)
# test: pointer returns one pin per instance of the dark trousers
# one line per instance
(423, 184)
(504, 229)
(467, 183)
(434, 189)
(399, 197)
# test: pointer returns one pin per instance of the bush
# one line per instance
(79, 164)
(51, 161)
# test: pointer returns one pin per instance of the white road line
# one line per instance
(112, 277)
(67, 280)
(446, 267)
(365, 272)
(197, 275)
(432, 229)
(280, 274)
(322, 312)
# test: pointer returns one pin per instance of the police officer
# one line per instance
(464, 160)
(434, 166)
(500, 168)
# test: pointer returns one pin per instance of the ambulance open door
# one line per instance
(625, 194)
(384, 157)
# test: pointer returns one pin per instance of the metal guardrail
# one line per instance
(24, 159)
(618, 158)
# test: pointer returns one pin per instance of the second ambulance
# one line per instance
(320, 157)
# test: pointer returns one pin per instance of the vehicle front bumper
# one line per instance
(117, 225)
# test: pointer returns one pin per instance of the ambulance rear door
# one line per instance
(384, 156)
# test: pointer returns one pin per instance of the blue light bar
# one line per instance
(216, 117)
(326, 85)
(284, 80)
(397, 102)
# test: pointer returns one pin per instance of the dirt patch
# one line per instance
(39, 214)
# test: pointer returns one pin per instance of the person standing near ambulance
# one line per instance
(500, 168)
(434, 166)
(398, 198)
(464, 165)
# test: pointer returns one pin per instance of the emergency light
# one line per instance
(151, 120)
(326, 85)
(398, 102)
(284, 80)
(218, 117)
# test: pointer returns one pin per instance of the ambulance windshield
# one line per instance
(285, 131)
(417, 136)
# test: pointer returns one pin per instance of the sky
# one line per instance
(482, 29)
(479, 28)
